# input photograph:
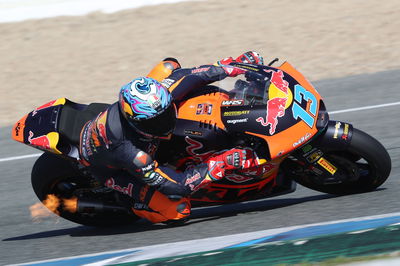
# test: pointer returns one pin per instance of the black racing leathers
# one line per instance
(123, 159)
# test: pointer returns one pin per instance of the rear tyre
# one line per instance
(366, 161)
(51, 174)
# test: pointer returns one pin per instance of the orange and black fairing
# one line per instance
(39, 127)
(272, 110)
(277, 105)
(301, 111)
(236, 187)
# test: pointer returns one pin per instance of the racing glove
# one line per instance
(233, 159)
(243, 160)
(247, 58)
(250, 57)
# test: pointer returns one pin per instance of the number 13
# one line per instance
(301, 93)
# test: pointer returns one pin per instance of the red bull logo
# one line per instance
(275, 109)
(126, 190)
(41, 141)
(278, 81)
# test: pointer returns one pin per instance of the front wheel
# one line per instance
(366, 165)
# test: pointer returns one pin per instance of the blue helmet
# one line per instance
(148, 107)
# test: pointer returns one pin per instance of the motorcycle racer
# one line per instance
(118, 145)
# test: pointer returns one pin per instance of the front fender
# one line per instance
(337, 135)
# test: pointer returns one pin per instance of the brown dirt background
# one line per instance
(88, 58)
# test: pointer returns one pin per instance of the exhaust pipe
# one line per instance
(97, 206)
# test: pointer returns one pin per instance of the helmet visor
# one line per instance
(160, 125)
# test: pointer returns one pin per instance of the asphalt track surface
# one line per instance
(22, 240)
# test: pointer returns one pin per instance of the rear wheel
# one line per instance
(53, 175)
(366, 165)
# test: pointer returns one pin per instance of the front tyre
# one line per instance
(366, 162)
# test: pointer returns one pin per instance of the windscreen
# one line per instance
(251, 88)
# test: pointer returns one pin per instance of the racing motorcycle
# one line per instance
(273, 110)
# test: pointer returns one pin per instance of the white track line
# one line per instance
(364, 108)
(333, 112)
(19, 157)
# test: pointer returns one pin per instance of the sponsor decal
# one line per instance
(236, 113)
(153, 178)
(140, 206)
(316, 170)
(149, 167)
(17, 129)
(85, 147)
(275, 109)
(302, 139)
(92, 136)
(192, 132)
(167, 83)
(345, 134)
(337, 126)
(243, 120)
(193, 178)
(204, 109)
(110, 183)
(247, 67)
(307, 148)
(280, 99)
(200, 69)
(232, 102)
(190, 180)
(314, 156)
(154, 101)
(41, 141)
(327, 166)
(278, 81)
